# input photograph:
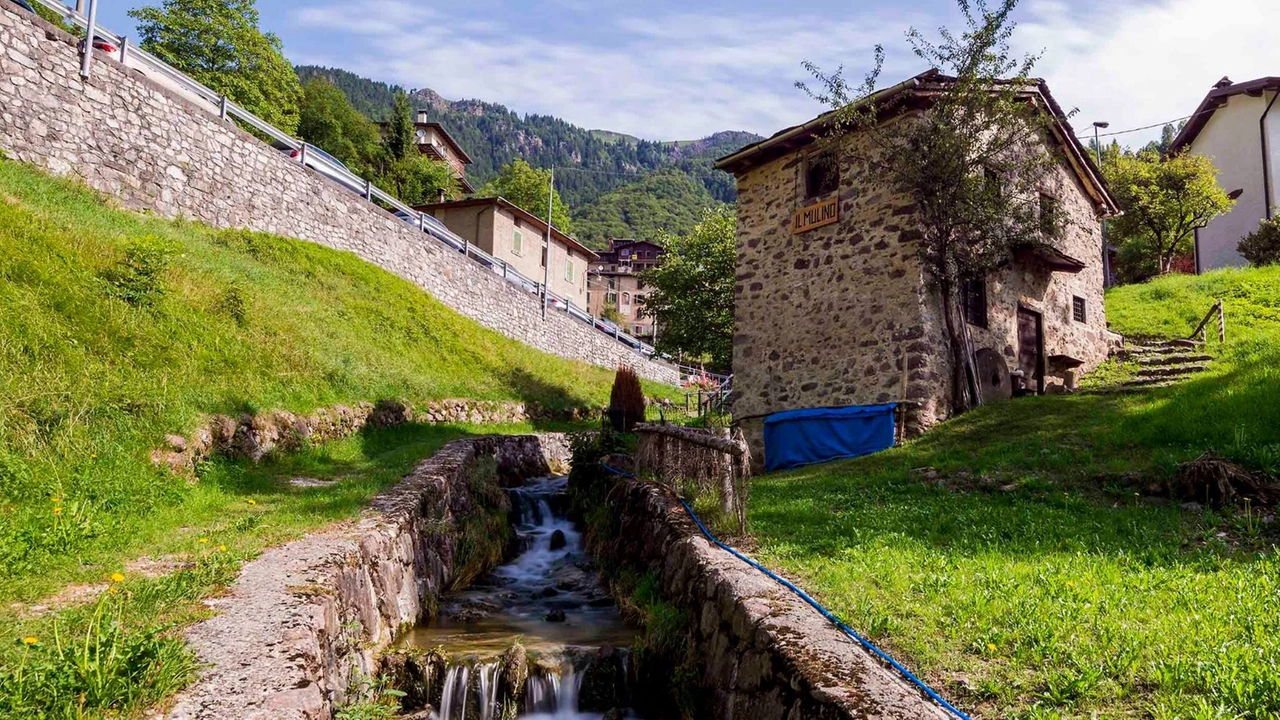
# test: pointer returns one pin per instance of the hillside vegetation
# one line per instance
(120, 328)
(590, 165)
(1028, 557)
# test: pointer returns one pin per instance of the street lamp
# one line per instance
(1106, 256)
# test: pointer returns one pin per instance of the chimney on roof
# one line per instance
(422, 116)
(1224, 82)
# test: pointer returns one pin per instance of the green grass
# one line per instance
(1033, 572)
(120, 328)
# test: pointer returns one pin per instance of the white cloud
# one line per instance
(665, 75)
(1149, 62)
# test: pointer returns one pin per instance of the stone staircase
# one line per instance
(1162, 363)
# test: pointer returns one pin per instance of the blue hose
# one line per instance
(812, 603)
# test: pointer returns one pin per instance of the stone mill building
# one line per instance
(833, 304)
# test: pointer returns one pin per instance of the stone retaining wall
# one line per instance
(302, 623)
(154, 150)
(765, 654)
(253, 437)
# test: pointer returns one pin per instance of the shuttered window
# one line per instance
(975, 302)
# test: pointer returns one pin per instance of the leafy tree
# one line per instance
(692, 295)
(609, 311)
(527, 186)
(1167, 134)
(1164, 201)
(218, 43)
(329, 121)
(417, 179)
(399, 140)
(373, 99)
(972, 161)
(1262, 246)
(665, 201)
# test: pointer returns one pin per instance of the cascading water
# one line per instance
(550, 601)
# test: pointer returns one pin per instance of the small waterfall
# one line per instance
(549, 601)
(453, 702)
(488, 676)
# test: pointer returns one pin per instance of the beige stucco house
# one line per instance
(517, 237)
(1237, 125)
(614, 283)
(833, 304)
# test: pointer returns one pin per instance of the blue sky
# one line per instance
(679, 70)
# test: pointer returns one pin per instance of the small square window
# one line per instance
(517, 242)
(975, 302)
(821, 174)
(568, 270)
(1078, 309)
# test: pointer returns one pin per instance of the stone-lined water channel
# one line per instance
(538, 637)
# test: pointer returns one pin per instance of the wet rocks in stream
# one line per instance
(558, 540)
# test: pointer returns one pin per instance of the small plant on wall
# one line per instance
(626, 400)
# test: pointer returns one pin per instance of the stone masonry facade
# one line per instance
(152, 150)
(828, 317)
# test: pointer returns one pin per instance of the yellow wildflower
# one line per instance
(251, 501)
(203, 540)
(30, 640)
(222, 548)
(57, 511)
(991, 647)
(117, 577)
(113, 589)
(55, 500)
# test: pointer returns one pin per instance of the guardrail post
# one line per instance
(222, 107)
(1222, 323)
(466, 247)
(124, 49)
(302, 155)
(422, 221)
(504, 268)
(368, 190)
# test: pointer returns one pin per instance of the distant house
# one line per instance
(1238, 126)
(834, 308)
(435, 141)
(613, 282)
(516, 236)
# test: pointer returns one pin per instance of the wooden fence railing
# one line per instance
(1202, 330)
(716, 462)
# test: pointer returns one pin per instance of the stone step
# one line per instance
(1173, 347)
(1171, 371)
(1180, 359)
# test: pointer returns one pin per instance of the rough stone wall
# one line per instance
(153, 150)
(1031, 285)
(765, 655)
(824, 318)
(303, 622)
(253, 437)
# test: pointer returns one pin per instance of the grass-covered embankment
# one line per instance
(1016, 557)
(119, 328)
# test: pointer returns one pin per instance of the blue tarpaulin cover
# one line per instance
(803, 437)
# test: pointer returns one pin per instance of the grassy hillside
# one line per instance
(120, 328)
(1022, 557)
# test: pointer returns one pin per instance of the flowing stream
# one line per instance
(549, 600)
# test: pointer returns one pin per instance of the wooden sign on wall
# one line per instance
(823, 212)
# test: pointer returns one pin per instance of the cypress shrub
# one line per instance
(626, 400)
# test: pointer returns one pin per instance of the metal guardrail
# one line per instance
(223, 107)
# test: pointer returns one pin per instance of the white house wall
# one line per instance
(1231, 139)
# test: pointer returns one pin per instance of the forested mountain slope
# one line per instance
(589, 163)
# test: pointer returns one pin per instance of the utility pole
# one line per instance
(88, 39)
(1106, 256)
(546, 258)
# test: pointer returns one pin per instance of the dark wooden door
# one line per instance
(1031, 348)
